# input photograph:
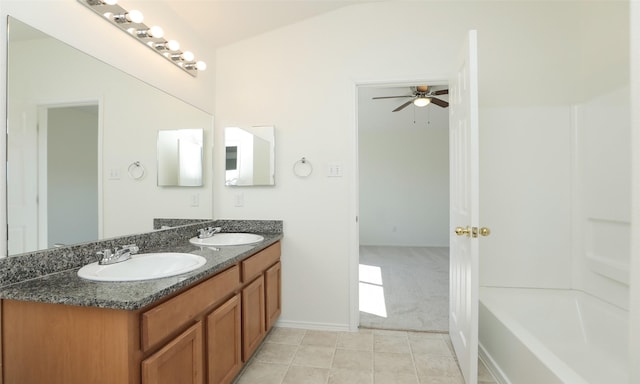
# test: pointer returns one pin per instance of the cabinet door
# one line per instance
(224, 343)
(273, 291)
(253, 317)
(160, 322)
(180, 361)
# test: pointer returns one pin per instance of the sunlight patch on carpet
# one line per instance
(372, 291)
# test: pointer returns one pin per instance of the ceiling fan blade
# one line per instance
(403, 106)
(440, 103)
(441, 92)
(389, 97)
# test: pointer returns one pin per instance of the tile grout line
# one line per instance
(413, 359)
(373, 357)
(333, 357)
(294, 357)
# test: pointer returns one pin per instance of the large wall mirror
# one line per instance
(250, 156)
(75, 126)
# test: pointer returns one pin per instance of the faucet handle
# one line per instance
(103, 255)
(132, 248)
(208, 232)
(104, 252)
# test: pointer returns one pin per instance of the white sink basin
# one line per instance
(144, 266)
(227, 239)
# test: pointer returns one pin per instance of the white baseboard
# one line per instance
(313, 326)
(491, 365)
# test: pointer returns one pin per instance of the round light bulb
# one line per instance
(421, 102)
(188, 56)
(201, 65)
(134, 16)
(173, 45)
(111, 2)
(155, 31)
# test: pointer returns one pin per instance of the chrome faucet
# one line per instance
(208, 232)
(106, 257)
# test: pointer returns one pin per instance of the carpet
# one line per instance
(404, 288)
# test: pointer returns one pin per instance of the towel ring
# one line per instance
(302, 168)
(136, 170)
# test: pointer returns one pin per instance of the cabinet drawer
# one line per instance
(258, 263)
(167, 318)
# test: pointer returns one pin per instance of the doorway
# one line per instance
(68, 174)
(403, 163)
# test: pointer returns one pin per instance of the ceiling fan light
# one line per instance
(421, 102)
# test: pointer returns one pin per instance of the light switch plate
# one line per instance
(114, 174)
(334, 170)
(239, 199)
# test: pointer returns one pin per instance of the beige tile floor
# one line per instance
(298, 356)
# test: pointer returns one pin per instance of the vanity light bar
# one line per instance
(152, 37)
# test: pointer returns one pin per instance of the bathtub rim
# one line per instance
(542, 353)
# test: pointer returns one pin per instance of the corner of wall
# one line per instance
(601, 197)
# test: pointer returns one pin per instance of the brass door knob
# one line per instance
(472, 231)
(460, 231)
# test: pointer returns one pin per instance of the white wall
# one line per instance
(525, 174)
(303, 78)
(404, 179)
(634, 317)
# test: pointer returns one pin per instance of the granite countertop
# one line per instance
(67, 288)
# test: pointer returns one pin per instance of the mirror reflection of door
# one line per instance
(68, 175)
(22, 186)
(249, 156)
(180, 157)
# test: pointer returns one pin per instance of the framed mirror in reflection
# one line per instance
(74, 124)
(250, 156)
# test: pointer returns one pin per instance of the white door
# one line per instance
(464, 276)
(22, 176)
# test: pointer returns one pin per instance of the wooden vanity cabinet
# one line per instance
(273, 294)
(203, 334)
(261, 303)
(260, 307)
(224, 341)
(253, 317)
(165, 320)
(180, 361)
(64, 344)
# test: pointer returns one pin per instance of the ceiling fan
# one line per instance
(420, 96)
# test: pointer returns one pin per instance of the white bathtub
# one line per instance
(546, 336)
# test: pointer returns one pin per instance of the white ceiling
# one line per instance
(222, 22)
